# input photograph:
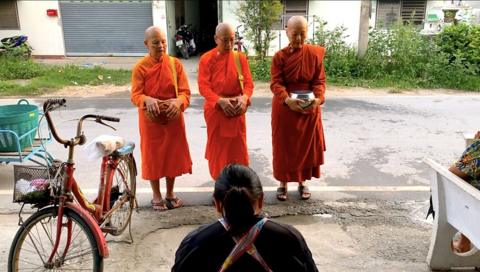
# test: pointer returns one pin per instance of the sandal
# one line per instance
(282, 193)
(159, 206)
(304, 192)
(173, 203)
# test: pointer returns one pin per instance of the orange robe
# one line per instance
(164, 148)
(297, 139)
(226, 136)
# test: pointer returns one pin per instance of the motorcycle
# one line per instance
(185, 41)
(16, 46)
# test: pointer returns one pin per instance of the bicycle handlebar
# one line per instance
(52, 104)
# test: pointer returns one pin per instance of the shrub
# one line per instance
(260, 69)
(462, 44)
(401, 57)
(340, 59)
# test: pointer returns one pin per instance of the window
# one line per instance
(291, 8)
(390, 12)
(9, 15)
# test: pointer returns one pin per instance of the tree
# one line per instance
(364, 24)
(258, 17)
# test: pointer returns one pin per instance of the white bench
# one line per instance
(457, 208)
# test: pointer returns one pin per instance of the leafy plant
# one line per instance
(462, 43)
(260, 69)
(258, 17)
(340, 60)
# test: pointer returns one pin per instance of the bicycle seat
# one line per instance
(124, 150)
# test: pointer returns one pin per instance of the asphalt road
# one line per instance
(371, 141)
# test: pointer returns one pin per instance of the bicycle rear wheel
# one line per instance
(122, 195)
(34, 241)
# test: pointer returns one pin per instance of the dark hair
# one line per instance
(237, 188)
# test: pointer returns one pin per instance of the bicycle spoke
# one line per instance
(81, 254)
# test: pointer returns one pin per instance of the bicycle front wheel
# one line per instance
(122, 195)
(34, 242)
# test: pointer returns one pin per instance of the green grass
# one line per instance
(40, 79)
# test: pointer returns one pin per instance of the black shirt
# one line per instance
(281, 246)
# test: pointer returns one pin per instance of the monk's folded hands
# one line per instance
(174, 108)
(227, 106)
(316, 102)
(294, 104)
(151, 104)
(241, 104)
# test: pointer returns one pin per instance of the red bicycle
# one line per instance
(68, 232)
(239, 41)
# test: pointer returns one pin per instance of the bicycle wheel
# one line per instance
(34, 241)
(122, 195)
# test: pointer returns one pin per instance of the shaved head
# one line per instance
(224, 37)
(155, 41)
(152, 31)
(297, 21)
(297, 31)
(222, 28)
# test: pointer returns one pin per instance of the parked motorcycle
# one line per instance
(16, 46)
(185, 41)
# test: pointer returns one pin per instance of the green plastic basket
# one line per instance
(22, 119)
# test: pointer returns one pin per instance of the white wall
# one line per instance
(44, 33)
(159, 15)
(338, 13)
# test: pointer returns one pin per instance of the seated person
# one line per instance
(468, 169)
(242, 239)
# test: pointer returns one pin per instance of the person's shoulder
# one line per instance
(281, 52)
(207, 55)
(284, 230)
(176, 60)
(316, 49)
(202, 234)
(141, 63)
(242, 55)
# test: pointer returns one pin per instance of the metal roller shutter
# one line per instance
(93, 28)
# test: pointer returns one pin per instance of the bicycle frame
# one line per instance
(66, 202)
(91, 213)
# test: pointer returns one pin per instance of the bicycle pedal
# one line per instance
(108, 229)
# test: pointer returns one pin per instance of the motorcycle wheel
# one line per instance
(184, 52)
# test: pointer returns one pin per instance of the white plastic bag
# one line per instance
(103, 145)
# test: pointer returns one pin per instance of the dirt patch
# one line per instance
(90, 91)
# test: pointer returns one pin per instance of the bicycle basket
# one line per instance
(31, 184)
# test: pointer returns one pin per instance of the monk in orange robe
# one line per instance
(226, 102)
(163, 145)
(297, 131)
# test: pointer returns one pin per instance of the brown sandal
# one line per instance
(159, 206)
(173, 203)
(282, 193)
(304, 192)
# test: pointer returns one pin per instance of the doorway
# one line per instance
(202, 18)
